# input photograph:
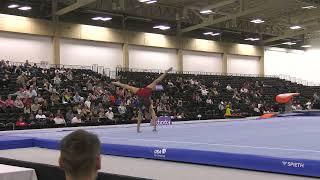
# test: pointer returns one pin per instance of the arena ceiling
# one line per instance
(231, 18)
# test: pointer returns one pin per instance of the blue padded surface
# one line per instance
(14, 142)
(283, 144)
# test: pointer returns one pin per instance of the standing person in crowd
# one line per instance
(144, 95)
(80, 155)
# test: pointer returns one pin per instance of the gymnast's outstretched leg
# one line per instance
(153, 118)
(139, 120)
(126, 86)
(158, 80)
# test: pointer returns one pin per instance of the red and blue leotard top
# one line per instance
(144, 92)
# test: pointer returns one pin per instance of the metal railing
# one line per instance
(281, 76)
(95, 67)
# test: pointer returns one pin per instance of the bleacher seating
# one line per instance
(182, 97)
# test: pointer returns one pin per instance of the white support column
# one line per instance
(225, 64)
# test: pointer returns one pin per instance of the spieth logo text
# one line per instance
(160, 152)
(293, 164)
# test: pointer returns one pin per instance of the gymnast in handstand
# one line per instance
(144, 96)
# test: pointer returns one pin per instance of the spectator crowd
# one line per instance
(59, 96)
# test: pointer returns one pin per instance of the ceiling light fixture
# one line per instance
(25, 8)
(162, 27)
(257, 21)
(289, 43)
(148, 1)
(252, 39)
(151, 2)
(212, 34)
(309, 7)
(295, 27)
(12, 6)
(306, 46)
(101, 18)
(206, 11)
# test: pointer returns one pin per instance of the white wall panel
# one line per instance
(243, 64)
(81, 52)
(303, 65)
(152, 58)
(281, 61)
(21, 47)
(202, 62)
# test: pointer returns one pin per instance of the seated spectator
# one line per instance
(101, 113)
(209, 101)
(112, 99)
(70, 78)
(85, 111)
(229, 88)
(170, 84)
(57, 80)
(244, 90)
(21, 79)
(236, 95)
(316, 98)
(180, 115)
(39, 99)
(80, 155)
(109, 114)
(215, 92)
(76, 119)
(77, 98)
(27, 64)
(18, 103)
(89, 86)
(59, 119)
(66, 97)
(180, 103)
(257, 85)
(50, 120)
(27, 109)
(122, 111)
(9, 102)
(21, 122)
(20, 93)
(35, 107)
(118, 101)
(87, 103)
(161, 108)
(55, 99)
(40, 116)
(4, 81)
(105, 100)
(215, 83)
(31, 119)
(33, 92)
(204, 91)
(309, 105)
(2, 105)
(32, 82)
(221, 106)
(69, 115)
(47, 86)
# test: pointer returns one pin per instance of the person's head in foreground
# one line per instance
(80, 155)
